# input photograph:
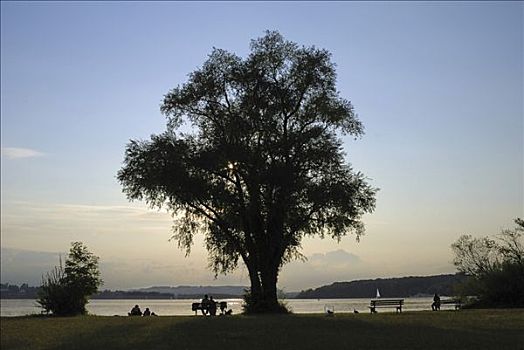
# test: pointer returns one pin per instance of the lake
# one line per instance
(110, 307)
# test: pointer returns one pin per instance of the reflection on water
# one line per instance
(19, 307)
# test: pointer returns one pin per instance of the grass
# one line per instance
(465, 329)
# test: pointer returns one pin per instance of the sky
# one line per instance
(437, 85)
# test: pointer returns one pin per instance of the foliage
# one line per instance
(496, 265)
(262, 166)
(65, 290)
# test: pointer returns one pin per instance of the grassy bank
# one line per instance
(466, 329)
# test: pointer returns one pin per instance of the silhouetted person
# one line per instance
(212, 307)
(205, 305)
(223, 307)
(436, 303)
(147, 312)
(355, 311)
(135, 311)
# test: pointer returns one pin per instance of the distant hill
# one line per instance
(190, 292)
(389, 287)
(8, 291)
(120, 294)
(196, 292)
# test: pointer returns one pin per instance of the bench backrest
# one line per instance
(198, 306)
(387, 302)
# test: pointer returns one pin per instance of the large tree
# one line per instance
(262, 165)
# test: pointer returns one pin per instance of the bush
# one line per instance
(66, 291)
(503, 287)
(496, 267)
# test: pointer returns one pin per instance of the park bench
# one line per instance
(396, 303)
(198, 306)
(457, 303)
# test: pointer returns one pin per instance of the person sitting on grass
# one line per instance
(135, 311)
(147, 312)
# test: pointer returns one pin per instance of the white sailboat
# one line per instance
(378, 293)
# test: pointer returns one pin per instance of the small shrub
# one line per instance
(66, 291)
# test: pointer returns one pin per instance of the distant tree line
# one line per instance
(118, 294)
(389, 287)
(13, 291)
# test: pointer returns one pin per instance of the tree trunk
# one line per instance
(256, 287)
(263, 294)
(269, 289)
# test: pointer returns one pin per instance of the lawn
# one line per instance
(465, 329)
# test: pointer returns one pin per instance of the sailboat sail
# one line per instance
(378, 293)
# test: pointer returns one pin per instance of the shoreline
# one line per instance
(174, 307)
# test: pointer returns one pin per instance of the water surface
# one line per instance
(20, 307)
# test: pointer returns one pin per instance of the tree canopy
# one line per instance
(65, 290)
(262, 165)
(496, 266)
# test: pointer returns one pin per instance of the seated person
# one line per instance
(205, 305)
(223, 307)
(135, 311)
(212, 307)
(147, 312)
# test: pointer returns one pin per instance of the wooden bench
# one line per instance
(198, 306)
(396, 303)
(457, 303)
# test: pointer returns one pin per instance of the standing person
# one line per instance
(436, 303)
(205, 305)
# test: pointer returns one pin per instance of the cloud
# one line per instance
(19, 217)
(337, 258)
(26, 266)
(322, 268)
(16, 153)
